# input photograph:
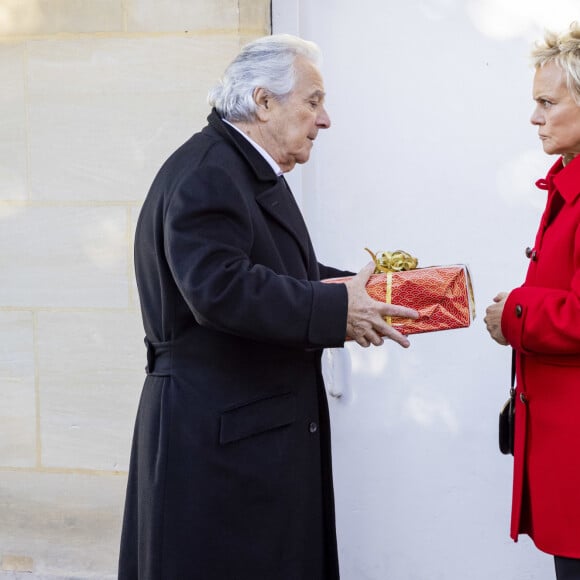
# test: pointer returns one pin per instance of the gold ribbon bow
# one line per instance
(396, 261)
(389, 262)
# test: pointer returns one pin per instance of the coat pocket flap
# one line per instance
(257, 417)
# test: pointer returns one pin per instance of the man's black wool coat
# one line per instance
(230, 475)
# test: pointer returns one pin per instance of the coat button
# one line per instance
(523, 398)
(519, 311)
(528, 252)
(313, 427)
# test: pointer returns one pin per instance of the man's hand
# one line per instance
(493, 314)
(365, 322)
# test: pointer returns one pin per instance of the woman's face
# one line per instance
(556, 115)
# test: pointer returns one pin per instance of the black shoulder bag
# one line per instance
(507, 416)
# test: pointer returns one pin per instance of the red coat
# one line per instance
(541, 321)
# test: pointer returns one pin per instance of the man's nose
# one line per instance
(323, 121)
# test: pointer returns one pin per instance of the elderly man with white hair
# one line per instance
(230, 475)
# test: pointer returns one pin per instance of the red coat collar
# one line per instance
(565, 179)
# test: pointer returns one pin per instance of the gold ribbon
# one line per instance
(389, 319)
(389, 262)
(396, 261)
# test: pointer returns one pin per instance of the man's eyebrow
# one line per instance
(318, 93)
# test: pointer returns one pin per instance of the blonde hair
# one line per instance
(563, 49)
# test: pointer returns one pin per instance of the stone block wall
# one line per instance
(94, 96)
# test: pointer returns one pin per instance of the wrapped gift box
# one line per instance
(442, 295)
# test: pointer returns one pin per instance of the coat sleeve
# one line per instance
(539, 320)
(208, 239)
(330, 272)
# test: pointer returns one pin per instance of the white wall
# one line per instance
(430, 151)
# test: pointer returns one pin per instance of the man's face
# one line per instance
(292, 125)
(556, 115)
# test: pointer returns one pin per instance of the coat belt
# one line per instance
(164, 357)
(159, 357)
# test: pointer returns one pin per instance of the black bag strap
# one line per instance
(513, 381)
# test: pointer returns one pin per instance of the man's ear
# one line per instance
(263, 100)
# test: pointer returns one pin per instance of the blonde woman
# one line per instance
(541, 321)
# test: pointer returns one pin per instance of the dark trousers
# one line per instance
(567, 568)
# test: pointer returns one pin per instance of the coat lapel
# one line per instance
(278, 202)
(274, 195)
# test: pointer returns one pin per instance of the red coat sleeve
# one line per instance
(545, 320)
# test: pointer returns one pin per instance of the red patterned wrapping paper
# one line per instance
(442, 295)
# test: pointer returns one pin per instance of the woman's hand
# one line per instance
(493, 314)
